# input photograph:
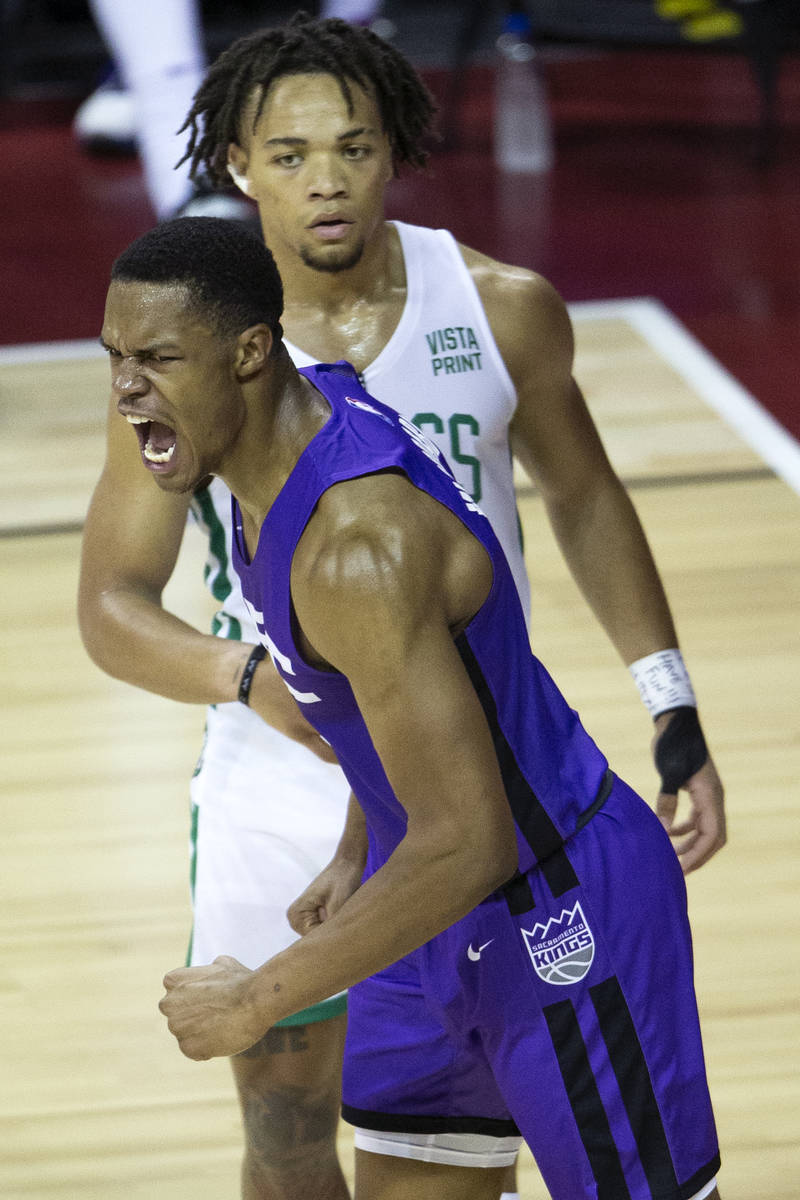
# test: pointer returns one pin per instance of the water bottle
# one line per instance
(523, 139)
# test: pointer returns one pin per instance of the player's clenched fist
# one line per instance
(209, 1011)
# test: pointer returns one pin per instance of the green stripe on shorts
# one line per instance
(195, 811)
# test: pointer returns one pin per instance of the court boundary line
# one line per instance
(27, 352)
(524, 491)
(713, 383)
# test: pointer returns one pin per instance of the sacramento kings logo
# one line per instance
(562, 950)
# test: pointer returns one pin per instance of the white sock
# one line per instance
(158, 50)
(510, 1196)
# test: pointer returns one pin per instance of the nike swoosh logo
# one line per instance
(474, 955)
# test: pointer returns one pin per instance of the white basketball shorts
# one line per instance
(266, 818)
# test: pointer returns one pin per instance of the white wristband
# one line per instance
(663, 681)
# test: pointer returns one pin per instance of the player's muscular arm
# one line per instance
(130, 545)
(380, 601)
(372, 604)
(592, 516)
(555, 439)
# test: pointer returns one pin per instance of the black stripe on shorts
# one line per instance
(529, 813)
(633, 1079)
(585, 1101)
(636, 1088)
(420, 1123)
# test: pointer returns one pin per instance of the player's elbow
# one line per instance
(104, 624)
(96, 630)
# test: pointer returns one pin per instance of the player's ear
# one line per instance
(253, 348)
(237, 167)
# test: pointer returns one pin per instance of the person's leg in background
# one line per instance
(158, 51)
(160, 57)
(289, 1087)
(289, 1083)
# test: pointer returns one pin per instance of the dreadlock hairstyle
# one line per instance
(304, 46)
(229, 275)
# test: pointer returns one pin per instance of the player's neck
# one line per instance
(282, 419)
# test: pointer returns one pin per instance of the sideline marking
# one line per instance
(709, 379)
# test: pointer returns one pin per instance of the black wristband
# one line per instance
(246, 682)
(680, 750)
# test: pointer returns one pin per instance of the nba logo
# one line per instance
(562, 950)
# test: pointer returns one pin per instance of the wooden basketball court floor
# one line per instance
(95, 1100)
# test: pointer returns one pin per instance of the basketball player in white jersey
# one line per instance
(312, 120)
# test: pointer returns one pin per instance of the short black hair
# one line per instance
(229, 273)
(350, 53)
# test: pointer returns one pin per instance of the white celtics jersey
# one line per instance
(442, 369)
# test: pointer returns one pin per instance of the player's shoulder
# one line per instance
(525, 312)
(507, 282)
(365, 561)
(361, 531)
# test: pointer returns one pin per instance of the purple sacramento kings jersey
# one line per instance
(562, 1007)
(551, 767)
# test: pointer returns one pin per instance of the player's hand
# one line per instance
(209, 1009)
(270, 698)
(683, 762)
(325, 895)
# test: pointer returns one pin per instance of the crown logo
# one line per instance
(562, 951)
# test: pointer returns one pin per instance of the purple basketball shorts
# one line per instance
(574, 1022)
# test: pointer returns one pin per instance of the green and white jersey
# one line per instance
(442, 369)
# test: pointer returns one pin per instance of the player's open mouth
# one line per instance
(156, 441)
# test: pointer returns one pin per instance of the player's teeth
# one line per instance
(154, 456)
(135, 420)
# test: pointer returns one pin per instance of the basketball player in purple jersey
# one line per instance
(509, 916)
(486, 355)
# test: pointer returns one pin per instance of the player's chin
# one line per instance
(180, 481)
(331, 259)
